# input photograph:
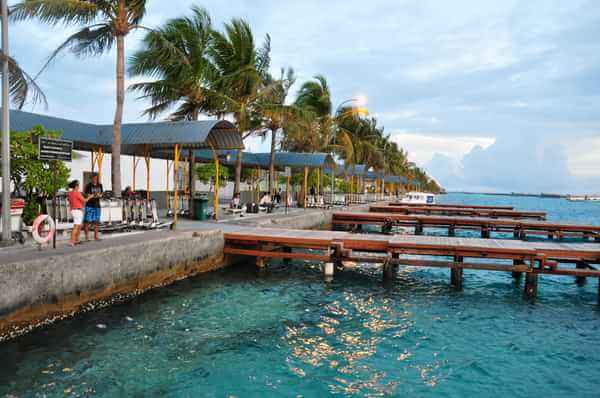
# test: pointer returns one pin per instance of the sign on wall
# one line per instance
(55, 149)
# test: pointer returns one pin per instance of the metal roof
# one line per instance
(263, 160)
(158, 137)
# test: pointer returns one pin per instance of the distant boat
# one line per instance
(425, 198)
(583, 198)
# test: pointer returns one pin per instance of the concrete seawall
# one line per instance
(39, 290)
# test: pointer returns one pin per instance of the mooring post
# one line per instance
(451, 230)
(456, 273)
(517, 274)
(517, 233)
(328, 270)
(531, 285)
(580, 280)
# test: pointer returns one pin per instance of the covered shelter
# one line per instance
(163, 140)
(262, 160)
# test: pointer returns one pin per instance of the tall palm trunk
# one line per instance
(272, 160)
(238, 172)
(116, 144)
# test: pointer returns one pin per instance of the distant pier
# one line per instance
(519, 228)
(468, 211)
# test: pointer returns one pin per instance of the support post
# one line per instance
(531, 285)
(580, 280)
(517, 274)
(419, 229)
(328, 269)
(147, 161)
(456, 273)
(133, 172)
(167, 188)
(485, 232)
(217, 182)
(192, 179)
(287, 249)
(176, 155)
(451, 230)
(390, 268)
(305, 186)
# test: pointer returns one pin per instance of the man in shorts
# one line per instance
(93, 192)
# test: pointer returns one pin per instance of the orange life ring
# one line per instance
(38, 227)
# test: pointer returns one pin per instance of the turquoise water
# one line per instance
(285, 332)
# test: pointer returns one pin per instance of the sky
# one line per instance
(485, 95)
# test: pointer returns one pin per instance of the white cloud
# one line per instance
(422, 147)
(584, 156)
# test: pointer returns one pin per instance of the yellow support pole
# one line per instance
(305, 185)
(318, 180)
(93, 159)
(147, 160)
(175, 189)
(135, 163)
(99, 159)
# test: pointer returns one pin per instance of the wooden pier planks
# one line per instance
(452, 205)
(411, 244)
(458, 211)
(520, 226)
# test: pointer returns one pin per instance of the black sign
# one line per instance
(55, 149)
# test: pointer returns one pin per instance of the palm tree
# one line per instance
(103, 23)
(242, 69)
(276, 114)
(176, 55)
(21, 85)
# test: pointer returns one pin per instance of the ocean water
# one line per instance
(284, 332)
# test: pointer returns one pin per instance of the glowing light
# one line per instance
(361, 100)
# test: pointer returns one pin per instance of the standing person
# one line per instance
(93, 192)
(76, 202)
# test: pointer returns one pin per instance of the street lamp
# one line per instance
(359, 101)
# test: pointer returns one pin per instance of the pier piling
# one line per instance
(517, 274)
(456, 273)
(531, 285)
(287, 249)
(580, 280)
(485, 233)
(419, 229)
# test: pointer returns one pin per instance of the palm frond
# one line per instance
(22, 87)
(55, 12)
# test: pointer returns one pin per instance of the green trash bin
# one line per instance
(200, 208)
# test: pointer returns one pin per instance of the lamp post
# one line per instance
(6, 232)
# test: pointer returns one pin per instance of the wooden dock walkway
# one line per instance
(334, 248)
(454, 205)
(459, 211)
(519, 228)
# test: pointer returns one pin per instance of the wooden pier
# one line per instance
(334, 249)
(519, 228)
(455, 205)
(459, 211)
